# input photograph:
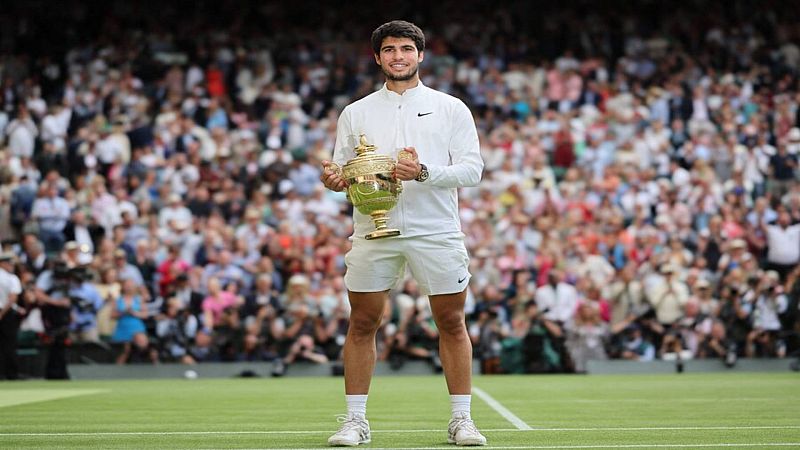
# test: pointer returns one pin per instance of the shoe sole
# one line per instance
(467, 443)
(348, 444)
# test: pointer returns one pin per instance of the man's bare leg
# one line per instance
(455, 348)
(359, 347)
(359, 362)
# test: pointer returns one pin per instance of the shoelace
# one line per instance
(349, 422)
(467, 424)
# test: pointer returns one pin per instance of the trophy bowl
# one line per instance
(372, 187)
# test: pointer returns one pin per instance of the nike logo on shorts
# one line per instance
(462, 279)
(424, 114)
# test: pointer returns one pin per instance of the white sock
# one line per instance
(356, 405)
(461, 404)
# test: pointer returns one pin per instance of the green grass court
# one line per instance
(728, 410)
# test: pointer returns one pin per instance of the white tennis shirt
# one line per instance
(9, 284)
(441, 129)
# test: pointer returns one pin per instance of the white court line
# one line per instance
(765, 427)
(721, 445)
(502, 410)
(495, 430)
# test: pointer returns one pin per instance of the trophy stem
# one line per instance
(380, 218)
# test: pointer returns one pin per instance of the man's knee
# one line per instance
(363, 324)
(451, 323)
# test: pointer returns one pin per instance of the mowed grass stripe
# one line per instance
(24, 396)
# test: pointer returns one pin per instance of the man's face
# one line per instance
(399, 59)
(784, 219)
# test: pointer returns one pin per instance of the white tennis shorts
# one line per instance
(439, 264)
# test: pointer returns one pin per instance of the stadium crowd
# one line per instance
(639, 201)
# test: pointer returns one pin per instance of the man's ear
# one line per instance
(421, 56)
(377, 59)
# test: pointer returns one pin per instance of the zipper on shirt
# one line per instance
(401, 201)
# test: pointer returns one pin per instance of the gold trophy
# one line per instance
(372, 187)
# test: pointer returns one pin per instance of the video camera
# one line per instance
(65, 279)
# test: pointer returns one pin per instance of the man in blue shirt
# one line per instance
(86, 301)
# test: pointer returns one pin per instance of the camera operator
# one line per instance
(334, 322)
(487, 334)
(558, 301)
(10, 312)
(297, 330)
(770, 302)
(52, 294)
(715, 344)
(176, 328)
(86, 301)
(684, 336)
(539, 353)
(734, 312)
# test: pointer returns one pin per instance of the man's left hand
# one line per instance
(407, 169)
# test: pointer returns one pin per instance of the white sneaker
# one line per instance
(354, 431)
(462, 431)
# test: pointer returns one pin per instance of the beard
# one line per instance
(412, 71)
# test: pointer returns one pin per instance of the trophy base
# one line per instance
(380, 234)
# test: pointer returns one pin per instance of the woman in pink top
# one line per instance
(215, 304)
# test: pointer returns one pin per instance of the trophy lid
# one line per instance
(367, 161)
(363, 146)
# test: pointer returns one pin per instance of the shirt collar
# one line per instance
(409, 94)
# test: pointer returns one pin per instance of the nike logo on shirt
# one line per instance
(424, 114)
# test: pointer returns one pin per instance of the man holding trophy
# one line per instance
(406, 213)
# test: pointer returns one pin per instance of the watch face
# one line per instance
(423, 173)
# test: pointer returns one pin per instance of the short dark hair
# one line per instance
(398, 29)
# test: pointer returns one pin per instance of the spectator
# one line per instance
(10, 313)
(218, 305)
(586, 337)
(109, 288)
(557, 299)
(782, 166)
(130, 313)
(626, 295)
(51, 213)
(783, 244)
(635, 347)
(22, 132)
(669, 296)
(127, 271)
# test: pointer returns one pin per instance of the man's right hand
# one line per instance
(330, 177)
